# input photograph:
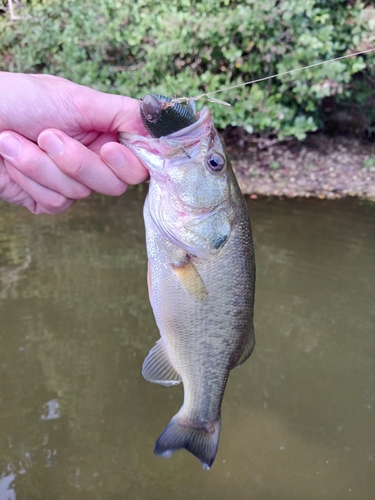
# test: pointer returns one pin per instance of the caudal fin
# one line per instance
(201, 441)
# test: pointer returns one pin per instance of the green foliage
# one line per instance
(190, 47)
(369, 162)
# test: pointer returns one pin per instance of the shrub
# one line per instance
(190, 47)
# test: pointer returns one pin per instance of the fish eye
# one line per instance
(215, 163)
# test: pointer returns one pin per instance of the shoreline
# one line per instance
(320, 166)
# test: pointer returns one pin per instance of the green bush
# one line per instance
(187, 47)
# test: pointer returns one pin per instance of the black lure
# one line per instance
(160, 120)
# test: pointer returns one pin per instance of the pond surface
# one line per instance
(77, 420)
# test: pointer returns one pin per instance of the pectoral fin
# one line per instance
(190, 279)
(157, 367)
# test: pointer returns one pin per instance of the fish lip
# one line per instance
(202, 117)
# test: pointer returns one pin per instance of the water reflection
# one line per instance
(78, 421)
(52, 410)
(6, 481)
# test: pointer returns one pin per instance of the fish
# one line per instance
(201, 268)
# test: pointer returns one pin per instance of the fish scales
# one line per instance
(201, 277)
(198, 330)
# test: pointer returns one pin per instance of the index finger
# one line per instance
(80, 163)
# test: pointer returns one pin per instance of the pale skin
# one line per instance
(58, 142)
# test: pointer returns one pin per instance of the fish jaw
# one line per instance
(172, 146)
(190, 206)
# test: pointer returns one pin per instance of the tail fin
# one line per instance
(200, 441)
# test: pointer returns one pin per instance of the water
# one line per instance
(77, 421)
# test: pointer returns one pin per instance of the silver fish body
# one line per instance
(201, 278)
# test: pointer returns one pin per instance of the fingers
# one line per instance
(84, 165)
(60, 170)
(9, 190)
(37, 198)
(31, 179)
(80, 163)
(123, 163)
(29, 160)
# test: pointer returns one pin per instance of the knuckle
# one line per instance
(74, 169)
(30, 167)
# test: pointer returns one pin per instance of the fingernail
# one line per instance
(10, 145)
(115, 158)
(51, 143)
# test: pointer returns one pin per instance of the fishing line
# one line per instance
(320, 63)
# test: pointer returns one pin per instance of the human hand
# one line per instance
(58, 141)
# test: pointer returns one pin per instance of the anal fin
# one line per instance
(157, 367)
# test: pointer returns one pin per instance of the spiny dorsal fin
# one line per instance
(190, 279)
(157, 367)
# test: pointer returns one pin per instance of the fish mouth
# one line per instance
(184, 144)
(203, 120)
(180, 139)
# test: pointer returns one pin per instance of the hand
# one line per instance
(58, 141)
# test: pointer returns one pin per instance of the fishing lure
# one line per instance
(161, 119)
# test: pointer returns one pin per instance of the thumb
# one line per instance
(108, 112)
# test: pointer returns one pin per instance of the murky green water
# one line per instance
(77, 421)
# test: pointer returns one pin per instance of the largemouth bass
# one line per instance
(201, 272)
